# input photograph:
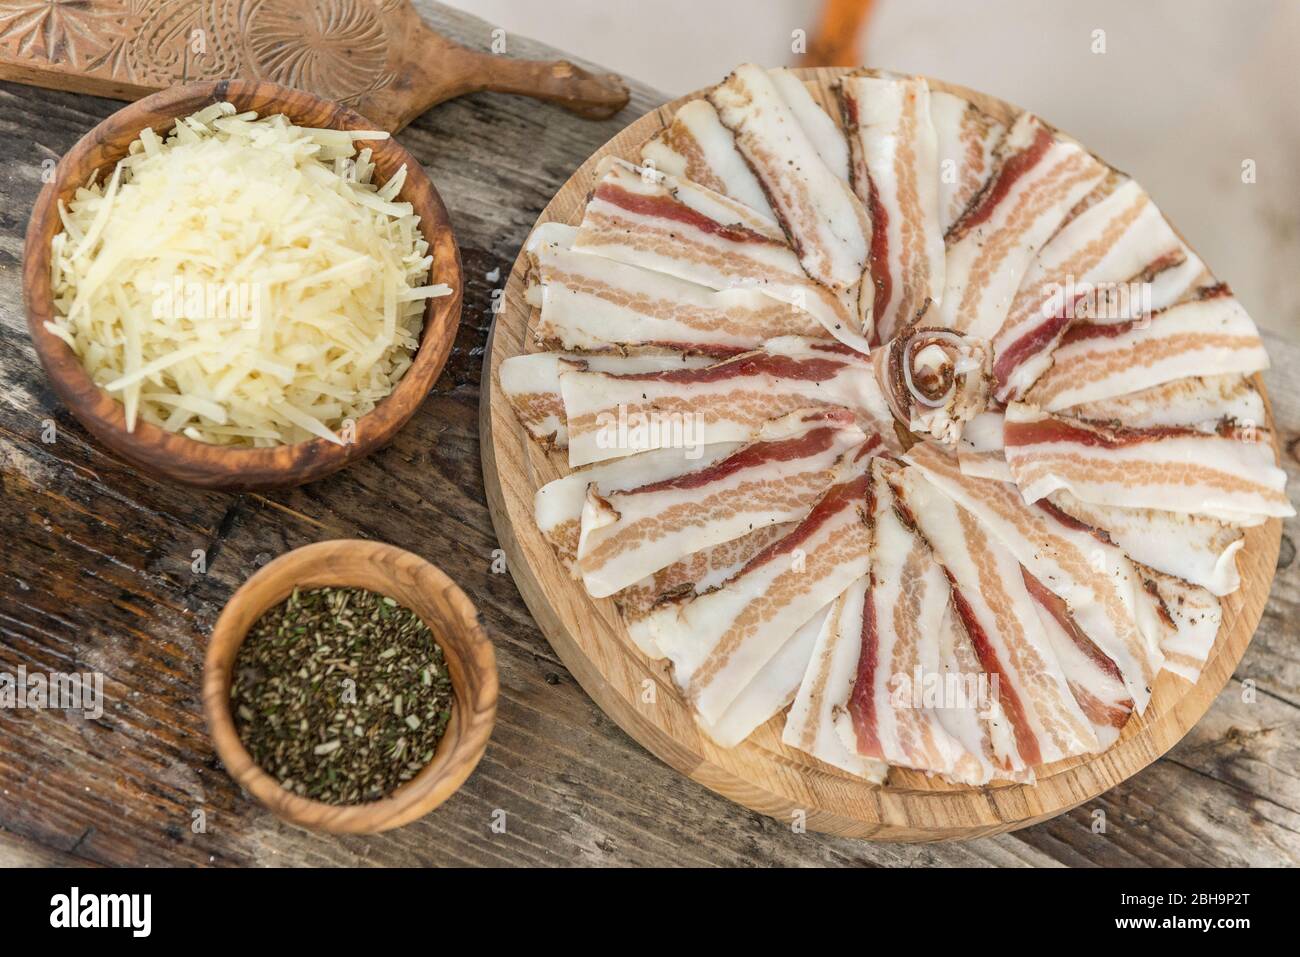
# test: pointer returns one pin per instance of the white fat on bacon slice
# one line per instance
(1206, 336)
(890, 712)
(631, 531)
(1094, 679)
(720, 640)
(1104, 591)
(935, 380)
(696, 146)
(693, 575)
(612, 415)
(1205, 402)
(989, 595)
(772, 688)
(895, 173)
(649, 219)
(593, 303)
(827, 225)
(1102, 249)
(824, 689)
(986, 465)
(1190, 619)
(966, 143)
(825, 134)
(557, 505)
(1229, 474)
(531, 383)
(1040, 177)
(1196, 549)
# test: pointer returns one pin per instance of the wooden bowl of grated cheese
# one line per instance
(227, 284)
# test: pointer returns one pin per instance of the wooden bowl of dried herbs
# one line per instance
(349, 686)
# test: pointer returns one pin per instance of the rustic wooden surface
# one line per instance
(95, 573)
(763, 772)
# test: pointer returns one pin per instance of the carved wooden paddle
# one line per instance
(377, 56)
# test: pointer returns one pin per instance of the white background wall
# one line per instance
(1186, 91)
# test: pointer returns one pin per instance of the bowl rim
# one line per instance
(466, 648)
(171, 454)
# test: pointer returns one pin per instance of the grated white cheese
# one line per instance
(242, 281)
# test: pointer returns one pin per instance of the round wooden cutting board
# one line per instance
(762, 773)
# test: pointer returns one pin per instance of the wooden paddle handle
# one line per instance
(451, 70)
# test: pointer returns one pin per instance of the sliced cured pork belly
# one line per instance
(1190, 618)
(612, 415)
(895, 172)
(697, 147)
(1040, 177)
(719, 641)
(1108, 245)
(935, 380)
(557, 506)
(990, 598)
(629, 532)
(966, 143)
(1104, 591)
(1205, 402)
(825, 687)
(827, 225)
(772, 689)
(592, 303)
(532, 384)
(896, 617)
(987, 465)
(1196, 549)
(1094, 679)
(693, 575)
(658, 222)
(823, 132)
(1206, 336)
(1230, 474)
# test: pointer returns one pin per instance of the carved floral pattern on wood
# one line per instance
(338, 49)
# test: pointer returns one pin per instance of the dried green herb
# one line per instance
(341, 694)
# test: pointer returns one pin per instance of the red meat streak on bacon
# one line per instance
(1096, 710)
(664, 207)
(1030, 344)
(1012, 170)
(782, 450)
(879, 258)
(862, 703)
(1026, 742)
(784, 367)
(1055, 430)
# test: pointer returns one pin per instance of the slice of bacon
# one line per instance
(827, 226)
(886, 714)
(825, 134)
(1189, 620)
(697, 147)
(592, 303)
(935, 380)
(825, 686)
(1094, 679)
(1231, 473)
(1205, 402)
(557, 505)
(531, 383)
(612, 415)
(770, 691)
(895, 172)
(1104, 591)
(631, 531)
(985, 465)
(989, 595)
(1207, 336)
(1104, 248)
(1039, 179)
(693, 575)
(966, 145)
(648, 219)
(1198, 550)
(719, 641)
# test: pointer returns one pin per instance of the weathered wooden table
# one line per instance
(96, 575)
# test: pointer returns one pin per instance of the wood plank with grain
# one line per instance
(95, 571)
